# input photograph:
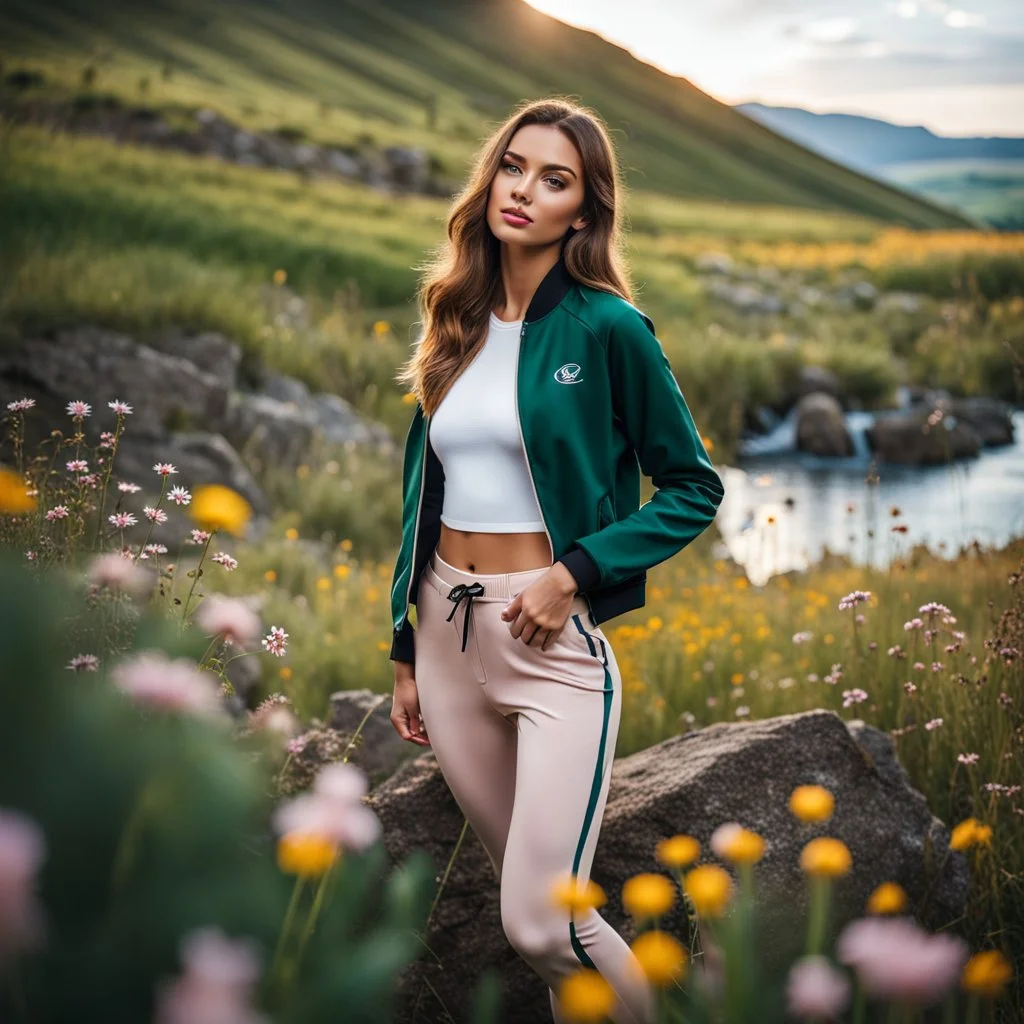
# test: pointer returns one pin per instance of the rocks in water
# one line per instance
(690, 783)
(820, 427)
(919, 437)
(990, 418)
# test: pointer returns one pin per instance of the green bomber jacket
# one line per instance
(598, 405)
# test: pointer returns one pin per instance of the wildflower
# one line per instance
(662, 957)
(913, 624)
(199, 536)
(933, 724)
(835, 675)
(179, 495)
(22, 849)
(128, 488)
(709, 888)
(918, 666)
(14, 495)
(156, 549)
(677, 851)
(57, 512)
(154, 515)
(967, 758)
(899, 528)
(736, 844)
(802, 637)
(275, 641)
(164, 468)
(811, 803)
(575, 897)
(79, 409)
(648, 895)
(897, 960)
(84, 663)
(121, 520)
(742, 711)
(970, 832)
(121, 408)
(986, 974)
(88, 480)
(230, 618)
(937, 666)
(934, 608)
(897, 652)
(888, 898)
(215, 507)
(854, 598)
(910, 687)
(77, 466)
(585, 996)
(306, 855)
(280, 276)
(153, 679)
(216, 984)
(21, 404)
(106, 439)
(114, 571)
(31, 555)
(826, 857)
(815, 989)
(223, 558)
(854, 696)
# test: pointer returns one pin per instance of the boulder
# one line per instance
(919, 437)
(820, 427)
(380, 750)
(273, 431)
(990, 418)
(690, 783)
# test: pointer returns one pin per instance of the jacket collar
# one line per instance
(551, 290)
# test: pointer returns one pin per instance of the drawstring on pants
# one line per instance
(456, 595)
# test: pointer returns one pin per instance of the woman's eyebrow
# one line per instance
(546, 167)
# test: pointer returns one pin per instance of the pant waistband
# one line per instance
(498, 586)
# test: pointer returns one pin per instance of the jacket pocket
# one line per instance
(605, 512)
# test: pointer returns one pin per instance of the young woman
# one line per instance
(542, 394)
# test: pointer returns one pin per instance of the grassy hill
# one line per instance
(436, 75)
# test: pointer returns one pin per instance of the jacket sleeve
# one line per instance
(655, 418)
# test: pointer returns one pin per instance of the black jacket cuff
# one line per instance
(583, 568)
(402, 646)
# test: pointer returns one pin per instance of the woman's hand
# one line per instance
(405, 706)
(542, 608)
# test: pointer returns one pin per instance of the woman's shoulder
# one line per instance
(604, 309)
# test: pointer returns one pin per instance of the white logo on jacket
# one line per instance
(569, 374)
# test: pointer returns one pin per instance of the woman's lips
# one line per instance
(511, 218)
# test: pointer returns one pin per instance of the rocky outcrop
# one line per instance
(820, 427)
(689, 783)
(919, 437)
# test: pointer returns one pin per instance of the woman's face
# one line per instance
(541, 174)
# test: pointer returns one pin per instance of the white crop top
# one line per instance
(475, 434)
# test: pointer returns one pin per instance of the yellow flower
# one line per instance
(888, 898)
(570, 895)
(654, 623)
(306, 855)
(677, 851)
(323, 583)
(826, 857)
(291, 533)
(736, 678)
(270, 575)
(969, 832)
(709, 888)
(648, 895)
(14, 496)
(216, 507)
(341, 571)
(739, 845)
(280, 276)
(346, 545)
(381, 327)
(708, 444)
(383, 645)
(286, 672)
(409, 398)
(983, 834)
(662, 957)
(811, 803)
(986, 973)
(585, 996)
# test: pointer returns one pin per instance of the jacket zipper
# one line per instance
(522, 441)
(416, 522)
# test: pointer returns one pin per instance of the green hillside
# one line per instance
(437, 75)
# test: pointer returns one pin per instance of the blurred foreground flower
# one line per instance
(709, 888)
(678, 851)
(816, 990)
(811, 803)
(826, 857)
(736, 844)
(574, 897)
(216, 507)
(585, 996)
(229, 618)
(648, 895)
(986, 974)
(22, 848)
(153, 679)
(116, 572)
(888, 898)
(14, 497)
(662, 957)
(969, 832)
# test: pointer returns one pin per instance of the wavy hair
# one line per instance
(462, 283)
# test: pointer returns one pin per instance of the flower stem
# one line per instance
(195, 579)
(818, 916)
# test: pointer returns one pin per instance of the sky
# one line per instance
(956, 70)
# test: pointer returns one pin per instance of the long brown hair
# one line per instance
(462, 283)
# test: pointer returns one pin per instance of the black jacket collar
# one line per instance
(551, 290)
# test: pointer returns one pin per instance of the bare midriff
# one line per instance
(488, 553)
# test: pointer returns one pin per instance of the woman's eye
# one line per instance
(557, 181)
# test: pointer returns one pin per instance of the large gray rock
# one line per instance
(690, 783)
(918, 438)
(275, 432)
(990, 418)
(820, 427)
(379, 750)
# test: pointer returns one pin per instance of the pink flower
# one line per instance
(854, 598)
(933, 724)
(31, 555)
(910, 687)
(835, 675)
(275, 641)
(229, 618)
(106, 440)
(171, 685)
(815, 989)
(121, 408)
(57, 512)
(156, 549)
(912, 624)
(117, 572)
(78, 466)
(121, 520)
(200, 536)
(215, 987)
(223, 558)
(896, 960)
(155, 515)
(21, 404)
(128, 488)
(22, 849)
(967, 758)
(79, 409)
(333, 809)
(84, 663)
(179, 495)
(165, 468)
(802, 637)
(854, 696)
